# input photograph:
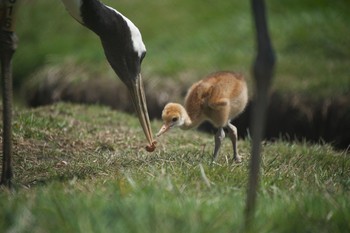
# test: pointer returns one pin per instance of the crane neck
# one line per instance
(106, 22)
(93, 14)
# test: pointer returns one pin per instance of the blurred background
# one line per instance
(59, 60)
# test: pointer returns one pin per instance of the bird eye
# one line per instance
(174, 119)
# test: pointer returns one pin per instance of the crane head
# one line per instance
(172, 116)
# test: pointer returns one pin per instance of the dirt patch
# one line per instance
(291, 117)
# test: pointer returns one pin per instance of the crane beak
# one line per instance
(164, 128)
(139, 101)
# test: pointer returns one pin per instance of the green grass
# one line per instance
(84, 169)
(189, 39)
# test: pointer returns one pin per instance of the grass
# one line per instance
(187, 40)
(84, 169)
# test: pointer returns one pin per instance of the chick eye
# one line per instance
(174, 119)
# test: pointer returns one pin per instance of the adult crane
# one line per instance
(123, 47)
(263, 69)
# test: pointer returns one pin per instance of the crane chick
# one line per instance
(218, 98)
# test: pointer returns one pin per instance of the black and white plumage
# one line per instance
(123, 47)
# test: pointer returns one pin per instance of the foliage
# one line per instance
(84, 169)
(193, 38)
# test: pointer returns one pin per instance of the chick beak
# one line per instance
(164, 129)
(139, 101)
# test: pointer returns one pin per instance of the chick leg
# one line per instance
(219, 137)
(232, 133)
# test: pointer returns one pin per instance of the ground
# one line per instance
(84, 168)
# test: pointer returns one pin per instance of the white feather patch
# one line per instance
(73, 7)
(136, 37)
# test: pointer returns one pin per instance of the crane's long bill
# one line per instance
(139, 101)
